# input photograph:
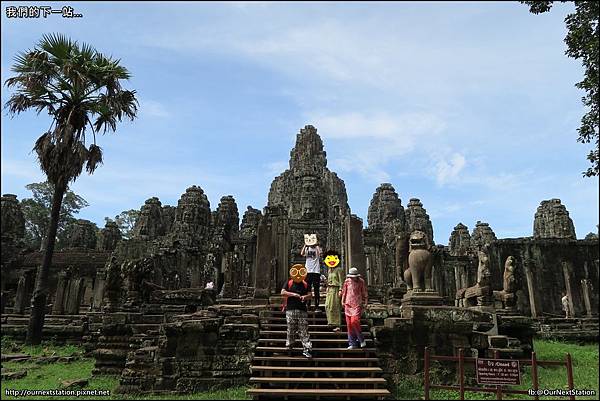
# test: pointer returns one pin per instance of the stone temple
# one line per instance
(141, 306)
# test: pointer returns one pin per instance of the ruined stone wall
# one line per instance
(13, 231)
(210, 349)
(401, 342)
(545, 268)
(81, 234)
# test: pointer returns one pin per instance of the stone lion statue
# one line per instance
(420, 262)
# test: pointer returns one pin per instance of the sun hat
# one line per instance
(353, 272)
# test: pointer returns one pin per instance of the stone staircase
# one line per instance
(60, 328)
(334, 372)
(582, 329)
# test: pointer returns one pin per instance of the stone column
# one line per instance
(59, 299)
(531, 290)
(567, 275)
(98, 292)
(264, 255)
(76, 290)
(21, 297)
(585, 285)
(281, 239)
(230, 287)
(354, 243)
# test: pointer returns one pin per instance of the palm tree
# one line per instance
(80, 89)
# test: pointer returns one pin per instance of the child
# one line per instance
(354, 300)
(333, 305)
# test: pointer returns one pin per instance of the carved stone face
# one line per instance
(298, 273)
(418, 240)
(310, 239)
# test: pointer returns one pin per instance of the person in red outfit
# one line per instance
(354, 300)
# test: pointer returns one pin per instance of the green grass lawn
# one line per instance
(49, 376)
(585, 375)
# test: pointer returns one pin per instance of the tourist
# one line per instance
(565, 305)
(296, 294)
(354, 300)
(333, 305)
(312, 251)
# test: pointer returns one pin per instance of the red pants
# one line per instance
(355, 336)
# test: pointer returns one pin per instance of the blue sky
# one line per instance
(470, 107)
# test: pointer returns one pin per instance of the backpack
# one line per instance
(289, 285)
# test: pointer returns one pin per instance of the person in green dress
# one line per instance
(333, 304)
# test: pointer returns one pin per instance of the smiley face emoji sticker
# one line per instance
(298, 273)
(332, 259)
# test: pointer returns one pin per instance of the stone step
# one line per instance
(315, 350)
(48, 316)
(279, 312)
(310, 393)
(311, 320)
(24, 321)
(325, 380)
(48, 328)
(572, 335)
(144, 328)
(296, 359)
(315, 327)
(505, 352)
(325, 341)
(316, 369)
(313, 334)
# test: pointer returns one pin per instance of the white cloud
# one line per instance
(448, 170)
(370, 141)
(152, 108)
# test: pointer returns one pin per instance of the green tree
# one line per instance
(80, 89)
(36, 211)
(125, 221)
(582, 39)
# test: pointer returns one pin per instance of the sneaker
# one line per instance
(352, 347)
(306, 354)
(363, 344)
(337, 329)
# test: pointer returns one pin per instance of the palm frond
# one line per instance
(94, 158)
(57, 44)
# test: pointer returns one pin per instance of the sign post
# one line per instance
(498, 371)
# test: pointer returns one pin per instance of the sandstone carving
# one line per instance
(482, 236)
(417, 219)
(552, 221)
(13, 222)
(481, 293)
(420, 261)
(507, 297)
(460, 241)
(149, 224)
(82, 234)
(109, 236)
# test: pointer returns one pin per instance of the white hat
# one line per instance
(353, 272)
